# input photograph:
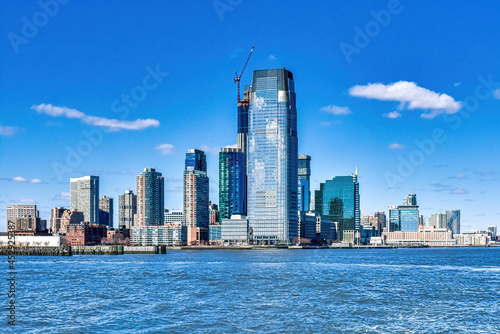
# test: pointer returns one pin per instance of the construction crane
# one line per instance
(238, 77)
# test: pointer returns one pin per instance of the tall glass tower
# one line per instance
(232, 172)
(453, 220)
(304, 194)
(150, 198)
(338, 200)
(272, 158)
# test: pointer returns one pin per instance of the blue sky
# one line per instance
(362, 87)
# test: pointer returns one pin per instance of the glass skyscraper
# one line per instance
(150, 198)
(196, 188)
(406, 217)
(338, 200)
(272, 158)
(84, 197)
(304, 194)
(453, 220)
(232, 173)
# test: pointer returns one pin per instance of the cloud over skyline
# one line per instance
(165, 148)
(411, 96)
(336, 110)
(111, 124)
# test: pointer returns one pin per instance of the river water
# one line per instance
(260, 291)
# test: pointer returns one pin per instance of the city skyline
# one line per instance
(340, 125)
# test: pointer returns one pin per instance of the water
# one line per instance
(257, 291)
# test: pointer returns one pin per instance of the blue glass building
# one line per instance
(196, 159)
(272, 158)
(406, 217)
(232, 185)
(304, 172)
(453, 220)
(338, 200)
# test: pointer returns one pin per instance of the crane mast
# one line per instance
(238, 77)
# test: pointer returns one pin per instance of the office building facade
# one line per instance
(272, 150)
(453, 220)
(19, 211)
(106, 211)
(84, 197)
(232, 185)
(304, 191)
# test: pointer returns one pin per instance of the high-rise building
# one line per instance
(232, 185)
(453, 221)
(438, 220)
(20, 210)
(243, 106)
(55, 219)
(492, 229)
(213, 212)
(84, 197)
(382, 220)
(127, 209)
(338, 200)
(304, 172)
(411, 199)
(196, 201)
(150, 198)
(106, 211)
(272, 157)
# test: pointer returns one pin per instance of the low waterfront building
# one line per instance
(32, 240)
(307, 226)
(214, 233)
(85, 234)
(174, 217)
(492, 229)
(425, 236)
(165, 235)
(474, 238)
(235, 231)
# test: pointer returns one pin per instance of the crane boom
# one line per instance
(238, 77)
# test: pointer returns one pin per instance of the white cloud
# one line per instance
(27, 201)
(208, 149)
(19, 179)
(496, 94)
(392, 115)
(7, 130)
(111, 124)
(36, 181)
(456, 84)
(335, 110)
(459, 176)
(165, 148)
(63, 196)
(326, 123)
(396, 146)
(411, 96)
(271, 57)
(458, 191)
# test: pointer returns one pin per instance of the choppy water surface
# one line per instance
(256, 291)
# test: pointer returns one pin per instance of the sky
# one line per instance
(407, 90)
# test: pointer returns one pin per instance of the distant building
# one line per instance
(20, 210)
(84, 197)
(232, 182)
(150, 198)
(106, 211)
(33, 240)
(338, 200)
(55, 219)
(165, 235)
(68, 217)
(493, 230)
(406, 217)
(307, 226)
(214, 233)
(127, 209)
(438, 220)
(453, 220)
(85, 234)
(411, 199)
(372, 223)
(272, 158)
(382, 219)
(29, 223)
(304, 173)
(174, 217)
(213, 212)
(424, 236)
(474, 238)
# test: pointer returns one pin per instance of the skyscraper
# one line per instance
(232, 185)
(84, 197)
(106, 211)
(243, 106)
(338, 200)
(196, 201)
(304, 193)
(381, 219)
(453, 220)
(150, 198)
(404, 217)
(127, 209)
(272, 157)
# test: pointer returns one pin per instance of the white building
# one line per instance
(165, 235)
(37, 240)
